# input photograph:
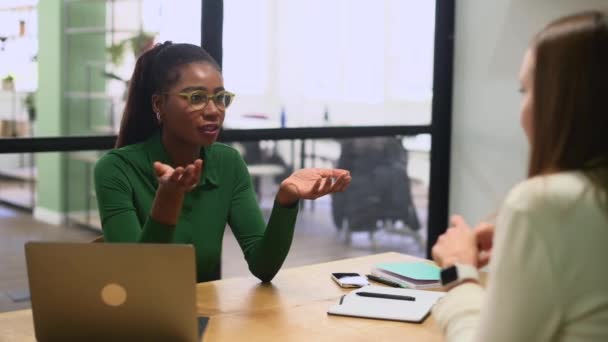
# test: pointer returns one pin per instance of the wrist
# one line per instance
(169, 193)
(167, 206)
(466, 281)
(457, 274)
(285, 198)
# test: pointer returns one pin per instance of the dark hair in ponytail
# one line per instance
(154, 72)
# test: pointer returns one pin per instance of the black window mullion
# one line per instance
(212, 21)
(441, 121)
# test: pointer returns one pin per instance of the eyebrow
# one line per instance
(188, 89)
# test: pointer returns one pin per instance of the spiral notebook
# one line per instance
(387, 309)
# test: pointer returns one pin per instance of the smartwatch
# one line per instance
(456, 274)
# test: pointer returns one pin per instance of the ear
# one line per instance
(157, 103)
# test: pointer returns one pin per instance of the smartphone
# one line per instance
(349, 279)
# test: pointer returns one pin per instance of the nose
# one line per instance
(211, 111)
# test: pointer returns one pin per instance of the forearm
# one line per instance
(163, 218)
(270, 252)
(122, 225)
(167, 206)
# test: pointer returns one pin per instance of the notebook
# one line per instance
(415, 275)
(387, 309)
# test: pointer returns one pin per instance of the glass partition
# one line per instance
(303, 63)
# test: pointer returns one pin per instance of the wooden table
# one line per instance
(292, 308)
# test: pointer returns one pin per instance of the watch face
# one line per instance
(449, 275)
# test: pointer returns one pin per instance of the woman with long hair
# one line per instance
(548, 279)
(168, 180)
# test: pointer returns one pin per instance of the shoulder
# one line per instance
(119, 158)
(552, 192)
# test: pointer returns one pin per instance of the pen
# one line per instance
(382, 280)
(385, 296)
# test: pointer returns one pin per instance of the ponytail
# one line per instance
(151, 76)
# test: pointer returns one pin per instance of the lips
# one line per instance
(209, 130)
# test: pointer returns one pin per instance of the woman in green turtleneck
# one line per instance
(169, 181)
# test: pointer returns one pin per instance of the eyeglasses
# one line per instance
(198, 99)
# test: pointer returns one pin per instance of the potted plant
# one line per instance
(30, 105)
(116, 52)
(8, 83)
(141, 43)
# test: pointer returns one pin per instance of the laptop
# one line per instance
(112, 291)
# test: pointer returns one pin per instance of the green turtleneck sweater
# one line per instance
(126, 186)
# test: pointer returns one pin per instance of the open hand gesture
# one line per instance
(457, 245)
(312, 183)
(179, 179)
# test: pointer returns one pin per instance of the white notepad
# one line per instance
(389, 309)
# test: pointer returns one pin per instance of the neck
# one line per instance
(180, 152)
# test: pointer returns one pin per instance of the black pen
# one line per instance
(385, 296)
(382, 280)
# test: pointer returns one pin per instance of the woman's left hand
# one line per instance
(458, 245)
(312, 184)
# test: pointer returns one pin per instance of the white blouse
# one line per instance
(548, 276)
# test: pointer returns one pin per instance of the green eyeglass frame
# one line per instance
(198, 99)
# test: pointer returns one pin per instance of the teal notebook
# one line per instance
(409, 274)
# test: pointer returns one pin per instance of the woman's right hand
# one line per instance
(178, 180)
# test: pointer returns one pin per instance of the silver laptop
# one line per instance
(112, 292)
